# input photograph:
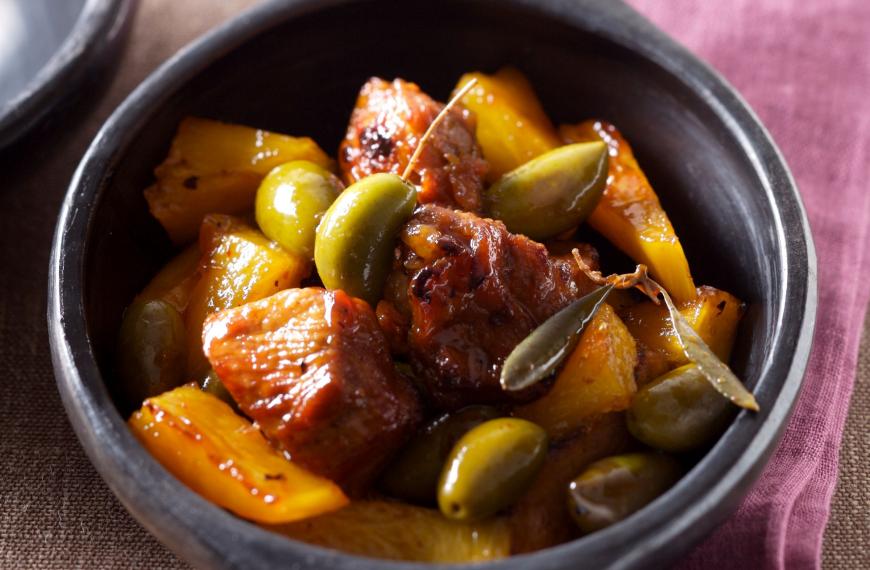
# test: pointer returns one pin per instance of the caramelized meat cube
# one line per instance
(312, 368)
(474, 291)
(387, 124)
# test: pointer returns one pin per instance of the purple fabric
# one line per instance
(804, 66)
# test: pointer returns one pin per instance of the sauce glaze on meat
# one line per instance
(387, 124)
(312, 368)
(470, 291)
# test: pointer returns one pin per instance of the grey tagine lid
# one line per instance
(47, 48)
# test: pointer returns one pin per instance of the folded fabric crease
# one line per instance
(803, 67)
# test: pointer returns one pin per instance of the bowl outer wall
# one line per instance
(210, 537)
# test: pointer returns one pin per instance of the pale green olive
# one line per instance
(613, 488)
(414, 474)
(290, 202)
(490, 467)
(214, 386)
(152, 349)
(552, 193)
(678, 411)
(356, 238)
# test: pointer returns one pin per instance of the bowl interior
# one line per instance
(301, 77)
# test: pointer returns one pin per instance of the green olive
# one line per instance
(611, 489)
(552, 193)
(152, 349)
(356, 238)
(678, 411)
(413, 475)
(490, 467)
(291, 200)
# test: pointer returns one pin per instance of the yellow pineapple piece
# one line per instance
(239, 265)
(215, 167)
(224, 458)
(398, 531)
(512, 127)
(714, 315)
(630, 215)
(597, 378)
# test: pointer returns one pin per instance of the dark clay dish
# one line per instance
(296, 67)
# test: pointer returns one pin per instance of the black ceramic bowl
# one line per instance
(295, 66)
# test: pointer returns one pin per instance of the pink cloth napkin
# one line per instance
(804, 66)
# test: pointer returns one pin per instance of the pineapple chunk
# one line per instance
(216, 167)
(714, 315)
(597, 378)
(512, 127)
(630, 215)
(224, 458)
(398, 531)
(518, 92)
(175, 281)
(239, 265)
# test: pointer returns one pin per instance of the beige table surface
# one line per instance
(56, 511)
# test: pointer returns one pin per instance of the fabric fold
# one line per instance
(803, 67)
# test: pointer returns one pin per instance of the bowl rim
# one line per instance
(208, 536)
(95, 28)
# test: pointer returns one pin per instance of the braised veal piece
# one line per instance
(311, 367)
(473, 292)
(385, 127)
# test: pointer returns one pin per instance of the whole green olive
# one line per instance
(356, 237)
(678, 411)
(490, 467)
(413, 475)
(613, 488)
(551, 193)
(152, 349)
(290, 202)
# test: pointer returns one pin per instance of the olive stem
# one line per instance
(640, 278)
(434, 124)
